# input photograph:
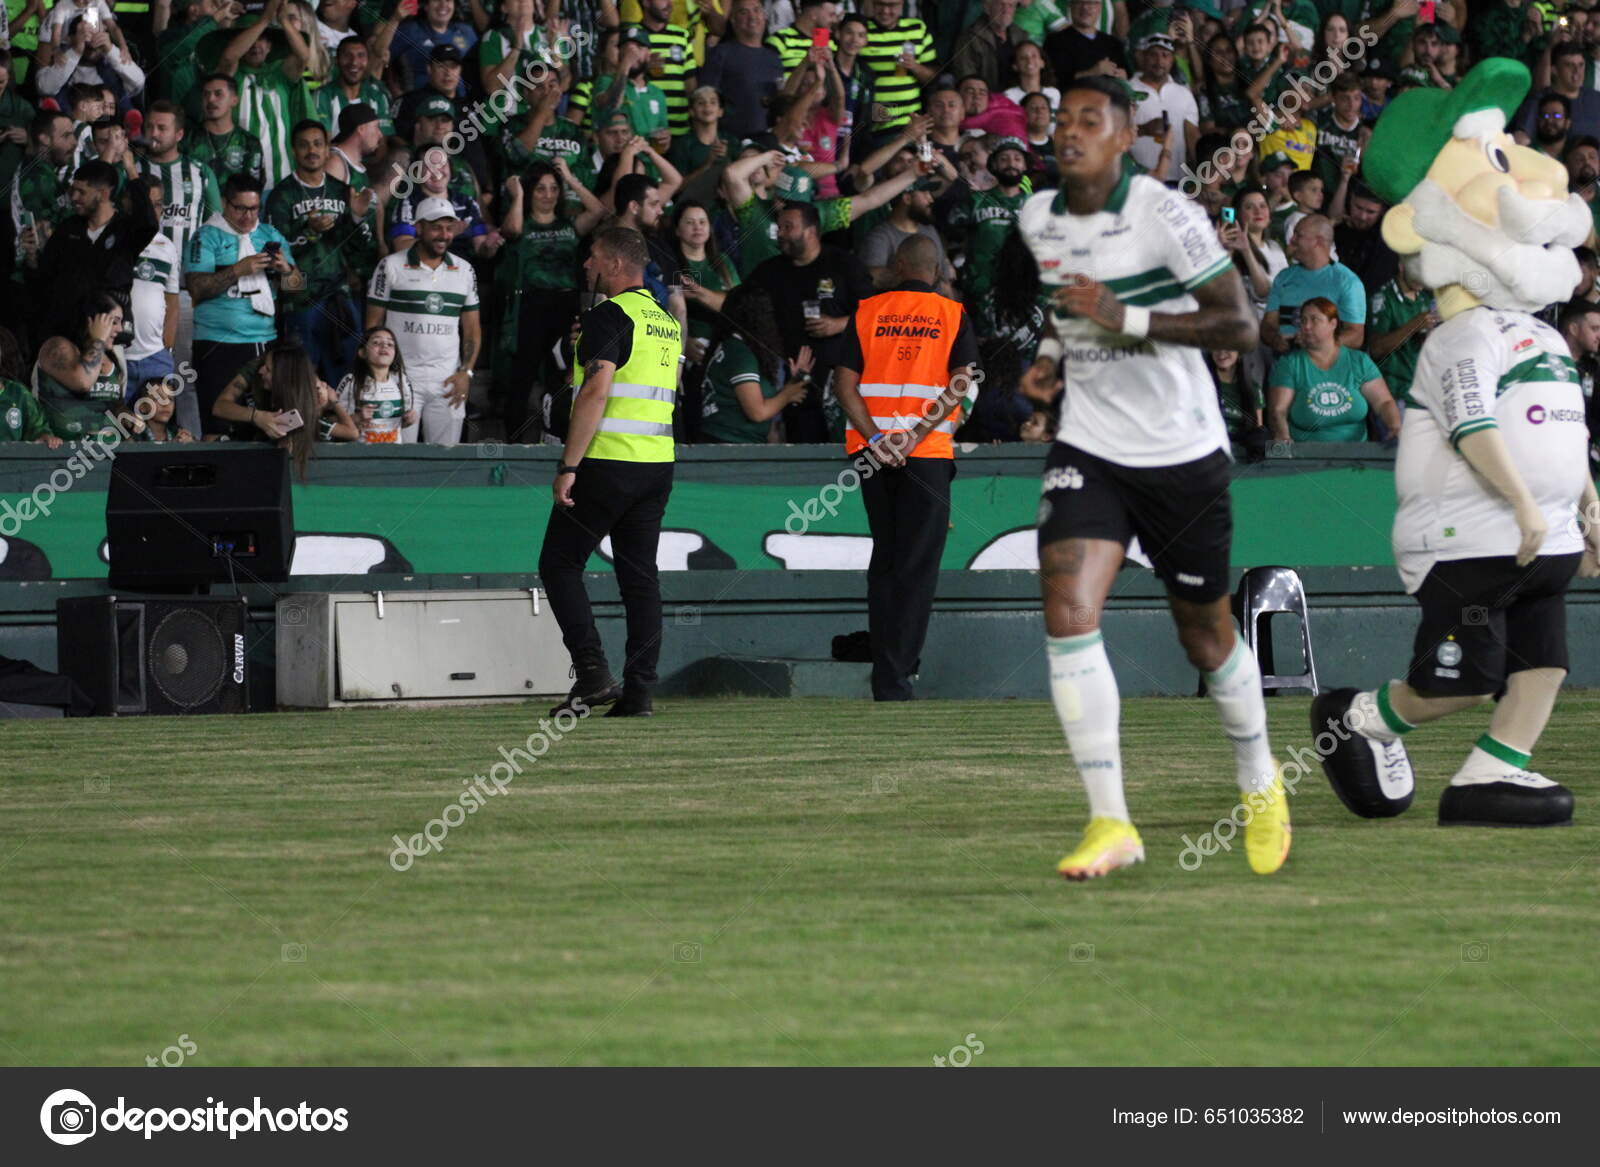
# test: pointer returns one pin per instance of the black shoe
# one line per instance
(1522, 800)
(633, 703)
(1373, 779)
(595, 687)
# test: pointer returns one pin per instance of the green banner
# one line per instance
(462, 512)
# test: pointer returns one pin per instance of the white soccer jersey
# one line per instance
(423, 305)
(1484, 369)
(154, 276)
(390, 401)
(184, 184)
(1130, 401)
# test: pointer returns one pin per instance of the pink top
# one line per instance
(1003, 117)
(820, 139)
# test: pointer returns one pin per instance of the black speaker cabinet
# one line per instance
(177, 517)
(155, 654)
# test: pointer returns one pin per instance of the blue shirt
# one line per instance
(230, 316)
(1294, 285)
(413, 44)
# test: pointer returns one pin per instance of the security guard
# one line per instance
(901, 376)
(615, 474)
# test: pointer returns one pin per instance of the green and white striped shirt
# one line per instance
(266, 109)
(331, 101)
(189, 196)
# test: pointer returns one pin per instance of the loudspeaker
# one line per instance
(155, 654)
(177, 518)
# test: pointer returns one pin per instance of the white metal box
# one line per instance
(363, 648)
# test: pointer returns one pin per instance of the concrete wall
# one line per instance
(770, 632)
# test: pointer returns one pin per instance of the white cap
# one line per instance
(430, 209)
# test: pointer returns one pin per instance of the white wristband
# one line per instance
(1135, 321)
(1049, 350)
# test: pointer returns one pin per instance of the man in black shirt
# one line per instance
(814, 291)
(615, 476)
(1359, 240)
(95, 250)
(1081, 47)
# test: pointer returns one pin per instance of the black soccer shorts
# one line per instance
(1182, 514)
(1484, 619)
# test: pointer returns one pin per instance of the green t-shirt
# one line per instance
(722, 418)
(1041, 18)
(716, 277)
(496, 47)
(1389, 309)
(560, 138)
(1328, 405)
(331, 100)
(235, 152)
(646, 108)
(990, 216)
(546, 256)
(77, 415)
(326, 257)
(689, 153)
(22, 418)
(1239, 401)
(758, 228)
(41, 191)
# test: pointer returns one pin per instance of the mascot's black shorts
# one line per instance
(1182, 514)
(1484, 619)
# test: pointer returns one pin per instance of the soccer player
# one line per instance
(1139, 286)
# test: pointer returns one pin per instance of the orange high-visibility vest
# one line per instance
(906, 338)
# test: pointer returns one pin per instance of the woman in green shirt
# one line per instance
(1322, 391)
(538, 279)
(81, 379)
(744, 389)
(707, 275)
(1237, 393)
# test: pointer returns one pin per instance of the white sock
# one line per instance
(1490, 761)
(1374, 718)
(1236, 690)
(1084, 690)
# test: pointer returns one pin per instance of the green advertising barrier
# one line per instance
(482, 509)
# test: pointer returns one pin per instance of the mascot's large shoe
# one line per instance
(1520, 799)
(1372, 779)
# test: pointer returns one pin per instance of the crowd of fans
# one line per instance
(263, 221)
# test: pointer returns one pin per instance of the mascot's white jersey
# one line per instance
(1480, 369)
(1130, 401)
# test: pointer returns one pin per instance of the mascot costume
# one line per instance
(1497, 512)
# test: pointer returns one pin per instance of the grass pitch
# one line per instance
(764, 882)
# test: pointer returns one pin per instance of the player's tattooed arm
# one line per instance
(1223, 320)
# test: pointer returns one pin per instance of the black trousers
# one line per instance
(908, 511)
(625, 500)
(543, 319)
